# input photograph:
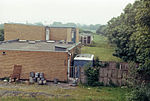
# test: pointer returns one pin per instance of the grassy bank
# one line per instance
(101, 48)
(81, 93)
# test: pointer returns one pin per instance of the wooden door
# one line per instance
(17, 71)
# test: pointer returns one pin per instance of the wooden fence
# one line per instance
(115, 73)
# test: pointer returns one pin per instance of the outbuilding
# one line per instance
(53, 58)
(83, 59)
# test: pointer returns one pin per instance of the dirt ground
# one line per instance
(34, 90)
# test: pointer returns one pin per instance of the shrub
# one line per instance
(98, 63)
(92, 74)
(139, 94)
(117, 65)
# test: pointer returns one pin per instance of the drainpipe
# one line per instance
(68, 73)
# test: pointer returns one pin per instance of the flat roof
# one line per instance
(42, 25)
(84, 57)
(25, 45)
(85, 34)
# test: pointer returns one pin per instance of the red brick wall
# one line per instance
(52, 64)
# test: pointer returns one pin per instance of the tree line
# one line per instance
(130, 32)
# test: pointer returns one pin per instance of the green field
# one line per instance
(101, 48)
(80, 93)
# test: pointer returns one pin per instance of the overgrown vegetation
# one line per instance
(131, 33)
(92, 73)
(101, 30)
(98, 63)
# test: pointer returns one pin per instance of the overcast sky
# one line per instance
(48, 11)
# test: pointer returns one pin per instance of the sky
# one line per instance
(48, 11)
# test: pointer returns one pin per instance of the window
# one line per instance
(3, 53)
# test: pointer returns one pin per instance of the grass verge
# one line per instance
(101, 48)
(81, 93)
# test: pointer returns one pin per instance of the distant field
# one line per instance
(101, 49)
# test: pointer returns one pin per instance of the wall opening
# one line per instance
(47, 33)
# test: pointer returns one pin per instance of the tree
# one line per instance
(142, 40)
(1, 34)
(131, 33)
(101, 30)
(39, 23)
(119, 31)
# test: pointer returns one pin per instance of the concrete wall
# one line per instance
(23, 32)
(52, 64)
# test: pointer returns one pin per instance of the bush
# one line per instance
(92, 74)
(139, 94)
(98, 63)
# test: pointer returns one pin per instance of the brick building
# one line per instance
(86, 39)
(50, 57)
(32, 32)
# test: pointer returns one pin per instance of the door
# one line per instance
(47, 33)
(16, 71)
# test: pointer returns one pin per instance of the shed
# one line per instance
(83, 59)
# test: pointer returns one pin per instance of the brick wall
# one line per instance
(23, 32)
(29, 32)
(52, 64)
(58, 33)
(77, 35)
(69, 35)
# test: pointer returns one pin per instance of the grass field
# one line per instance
(101, 49)
(80, 93)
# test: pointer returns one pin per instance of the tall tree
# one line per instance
(131, 34)
(119, 31)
